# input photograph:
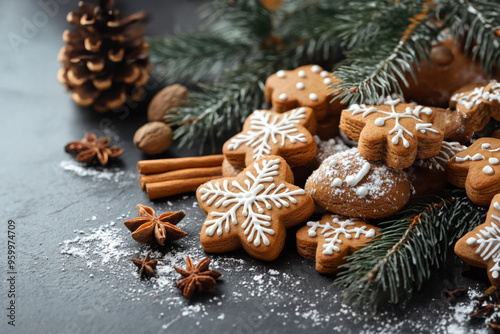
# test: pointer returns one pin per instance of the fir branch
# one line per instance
(194, 56)
(479, 22)
(384, 51)
(220, 107)
(224, 105)
(231, 34)
(408, 249)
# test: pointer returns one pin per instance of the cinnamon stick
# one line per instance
(174, 187)
(165, 165)
(181, 174)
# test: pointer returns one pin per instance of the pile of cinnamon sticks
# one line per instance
(168, 177)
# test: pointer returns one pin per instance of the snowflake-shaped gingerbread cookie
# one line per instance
(481, 246)
(331, 239)
(396, 132)
(253, 209)
(306, 86)
(477, 168)
(266, 132)
(477, 103)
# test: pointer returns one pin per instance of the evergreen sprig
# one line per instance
(408, 249)
(479, 22)
(259, 43)
(381, 52)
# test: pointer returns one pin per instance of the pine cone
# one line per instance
(105, 58)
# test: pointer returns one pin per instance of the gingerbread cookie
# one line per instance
(477, 168)
(331, 239)
(396, 132)
(481, 246)
(267, 132)
(253, 209)
(228, 170)
(306, 86)
(349, 185)
(477, 103)
(329, 127)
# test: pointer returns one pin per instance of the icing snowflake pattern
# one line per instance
(253, 196)
(332, 234)
(398, 129)
(477, 96)
(488, 242)
(264, 129)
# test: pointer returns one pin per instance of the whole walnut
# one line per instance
(153, 138)
(166, 99)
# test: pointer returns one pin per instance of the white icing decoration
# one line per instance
(493, 161)
(332, 234)
(488, 240)
(324, 74)
(477, 96)
(315, 69)
(488, 170)
(257, 192)
(300, 85)
(283, 97)
(281, 74)
(496, 206)
(264, 130)
(337, 182)
(362, 191)
(327, 81)
(313, 97)
(302, 74)
(398, 128)
(485, 146)
(354, 180)
(476, 157)
(333, 163)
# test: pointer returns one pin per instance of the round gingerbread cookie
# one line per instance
(349, 185)
(253, 210)
(306, 86)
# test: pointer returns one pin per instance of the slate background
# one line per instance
(37, 119)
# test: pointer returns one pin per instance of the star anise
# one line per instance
(93, 150)
(196, 279)
(146, 267)
(150, 230)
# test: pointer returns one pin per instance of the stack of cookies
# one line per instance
(289, 162)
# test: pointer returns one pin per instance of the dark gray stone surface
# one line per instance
(50, 204)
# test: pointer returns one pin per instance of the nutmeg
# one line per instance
(153, 138)
(165, 100)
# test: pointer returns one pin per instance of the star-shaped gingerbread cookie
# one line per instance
(396, 132)
(306, 86)
(477, 168)
(331, 239)
(481, 246)
(266, 132)
(253, 210)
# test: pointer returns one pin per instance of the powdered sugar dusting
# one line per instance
(379, 181)
(282, 291)
(96, 173)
